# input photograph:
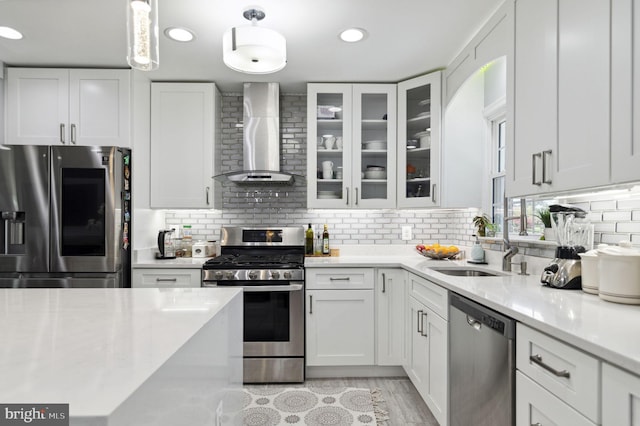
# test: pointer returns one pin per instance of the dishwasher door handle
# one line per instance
(474, 323)
(537, 359)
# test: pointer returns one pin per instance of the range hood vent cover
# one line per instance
(261, 138)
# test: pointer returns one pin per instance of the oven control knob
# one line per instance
(287, 275)
(275, 275)
(253, 275)
(228, 275)
(218, 275)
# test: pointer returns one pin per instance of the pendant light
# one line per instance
(142, 34)
(252, 49)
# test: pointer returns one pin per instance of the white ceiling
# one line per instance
(406, 37)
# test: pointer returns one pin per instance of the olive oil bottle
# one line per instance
(325, 240)
(308, 241)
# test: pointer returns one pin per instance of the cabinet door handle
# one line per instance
(339, 279)
(433, 193)
(384, 283)
(207, 194)
(310, 304)
(169, 280)
(356, 196)
(347, 195)
(534, 180)
(545, 156)
(424, 332)
(537, 359)
(62, 132)
(536, 424)
(418, 322)
(73, 134)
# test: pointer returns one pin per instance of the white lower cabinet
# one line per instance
(162, 277)
(536, 406)
(427, 361)
(555, 380)
(340, 317)
(620, 397)
(391, 297)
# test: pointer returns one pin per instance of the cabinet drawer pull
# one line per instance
(62, 133)
(73, 134)
(423, 316)
(534, 180)
(536, 424)
(545, 156)
(418, 322)
(172, 280)
(537, 359)
(384, 283)
(310, 304)
(339, 279)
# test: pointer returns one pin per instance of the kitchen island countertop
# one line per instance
(106, 351)
(608, 330)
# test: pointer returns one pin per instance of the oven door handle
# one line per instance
(265, 288)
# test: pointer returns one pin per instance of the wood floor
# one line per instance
(402, 401)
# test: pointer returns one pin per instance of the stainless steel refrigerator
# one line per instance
(65, 216)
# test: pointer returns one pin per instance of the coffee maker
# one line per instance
(573, 233)
(166, 246)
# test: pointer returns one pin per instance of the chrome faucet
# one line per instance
(511, 251)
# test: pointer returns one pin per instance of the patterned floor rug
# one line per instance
(312, 406)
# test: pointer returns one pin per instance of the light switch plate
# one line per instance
(406, 233)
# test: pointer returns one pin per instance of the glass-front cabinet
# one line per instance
(351, 145)
(419, 141)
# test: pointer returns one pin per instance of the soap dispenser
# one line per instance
(477, 252)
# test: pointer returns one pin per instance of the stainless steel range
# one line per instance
(268, 264)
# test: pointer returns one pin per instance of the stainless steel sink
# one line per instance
(467, 272)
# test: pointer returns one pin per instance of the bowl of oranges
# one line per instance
(437, 251)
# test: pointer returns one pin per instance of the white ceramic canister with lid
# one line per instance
(589, 263)
(619, 274)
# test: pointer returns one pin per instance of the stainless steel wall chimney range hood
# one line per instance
(261, 137)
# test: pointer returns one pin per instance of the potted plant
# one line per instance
(545, 217)
(481, 222)
(491, 229)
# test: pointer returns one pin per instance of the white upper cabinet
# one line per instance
(351, 145)
(559, 109)
(52, 106)
(419, 141)
(185, 132)
(625, 91)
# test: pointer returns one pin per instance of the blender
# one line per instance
(573, 233)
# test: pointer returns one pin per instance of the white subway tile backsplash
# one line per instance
(600, 205)
(616, 216)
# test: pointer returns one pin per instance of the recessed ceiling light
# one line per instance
(10, 33)
(179, 34)
(352, 35)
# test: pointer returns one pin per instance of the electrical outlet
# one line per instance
(406, 233)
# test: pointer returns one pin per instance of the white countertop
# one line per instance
(92, 348)
(145, 259)
(605, 329)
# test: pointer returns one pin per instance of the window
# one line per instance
(495, 114)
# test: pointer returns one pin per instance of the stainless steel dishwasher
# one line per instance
(481, 365)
